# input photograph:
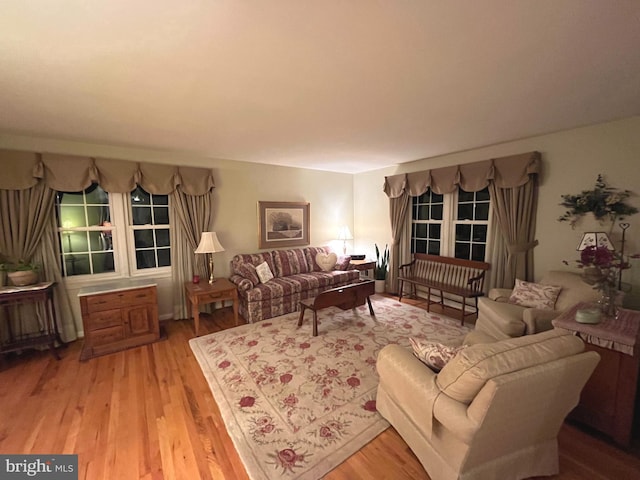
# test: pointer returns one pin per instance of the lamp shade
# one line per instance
(209, 243)
(595, 239)
(344, 233)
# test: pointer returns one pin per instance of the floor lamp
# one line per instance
(209, 244)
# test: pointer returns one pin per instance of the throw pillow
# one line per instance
(343, 263)
(248, 271)
(534, 295)
(326, 261)
(435, 355)
(264, 272)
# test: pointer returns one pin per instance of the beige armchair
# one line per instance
(498, 319)
(494, 411)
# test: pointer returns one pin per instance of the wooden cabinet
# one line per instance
(124, 317)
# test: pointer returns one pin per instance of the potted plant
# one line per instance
(21, 273)
(381, 268)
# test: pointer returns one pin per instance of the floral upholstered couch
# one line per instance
(296, 276)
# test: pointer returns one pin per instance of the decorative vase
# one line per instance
(22, 278)
(610, 301)
(379, 286)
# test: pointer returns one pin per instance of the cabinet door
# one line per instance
(140, 320)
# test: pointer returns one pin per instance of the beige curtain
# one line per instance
(28, 231)
(398, 210)
(512, 183)
(192, 215)
(514, 212)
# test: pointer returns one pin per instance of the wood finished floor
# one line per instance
(148, 413)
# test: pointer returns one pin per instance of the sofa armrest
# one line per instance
(537, 320)
(242, 283)
(500, 294)
(410, 385)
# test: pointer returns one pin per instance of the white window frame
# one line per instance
(448, 225)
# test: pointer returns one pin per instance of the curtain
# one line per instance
(192, 215)
(398, 210)
(28, 230)
(514, 210)
(512, 183)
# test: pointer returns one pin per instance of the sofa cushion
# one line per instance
(434, 354)
(310, 253)
(264, 272)
(289, 262)
(534, 295)
(465, 375)
(326, 261)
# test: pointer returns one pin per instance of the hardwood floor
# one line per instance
(148, 413)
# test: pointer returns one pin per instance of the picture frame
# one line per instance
(283, 224)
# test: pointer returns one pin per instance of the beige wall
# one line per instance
(571, 162)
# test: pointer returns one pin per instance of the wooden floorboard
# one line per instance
(148, 413)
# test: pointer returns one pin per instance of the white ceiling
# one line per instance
(341, 85)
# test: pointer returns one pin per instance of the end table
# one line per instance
(607, 402)
(204, 292)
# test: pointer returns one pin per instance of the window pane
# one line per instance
(424, 198)
(161, 199)
(420, 230)
(80, 241)
(464, 196)
(140, 197)
(145, 259)
(78, 265)
(96, 195)
(423, 212)
(462, 250)
(434, 248)
(437, 198)
(420, 246)
(164, 257)
(97, 215)
(434, 231)
(463, 233)
(141, 215)
(161, 216)
(143, 238)
(72, 216)
(70, 198)
(478, 252)
(465, 211)
(483, 195)
(480, 233)
(436, 212)
(103, 262)
(482, 211)
(95, 239)
(162, 237)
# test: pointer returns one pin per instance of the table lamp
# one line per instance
(209, 244)
(344, 234)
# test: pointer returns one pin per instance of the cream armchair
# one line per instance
(498, 319)
(494, 411)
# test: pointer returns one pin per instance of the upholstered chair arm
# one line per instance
(454, 416)
(500, 294)
(537, 320)
(241, 282)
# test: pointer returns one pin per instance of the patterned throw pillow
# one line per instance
(343, 262)
(264, 272)
(435, 355)
(534, 295)
(248, 271)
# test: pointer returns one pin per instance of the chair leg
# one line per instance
(400, 286)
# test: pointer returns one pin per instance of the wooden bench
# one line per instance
(463, 278)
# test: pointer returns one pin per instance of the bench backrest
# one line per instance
(451, 271)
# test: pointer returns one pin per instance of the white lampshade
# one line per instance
(344, 233)
(595, 239)
(209, 243)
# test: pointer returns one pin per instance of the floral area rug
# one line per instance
(296, 406)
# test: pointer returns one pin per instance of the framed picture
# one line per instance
(283, 224)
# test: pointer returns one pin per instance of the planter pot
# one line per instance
(379, 286)
(23, 277)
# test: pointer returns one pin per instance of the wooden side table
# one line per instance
(202, 293)
(48, 334)
(607, 402)
(363, 266)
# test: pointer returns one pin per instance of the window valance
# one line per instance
(71, 173)
(507, 172)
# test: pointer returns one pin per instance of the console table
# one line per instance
(364, 266)
(607, 402)
(40, 293)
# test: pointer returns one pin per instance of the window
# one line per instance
(455, 224)
(150, 229)
(102, 233)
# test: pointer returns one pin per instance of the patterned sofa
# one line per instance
(296, 276)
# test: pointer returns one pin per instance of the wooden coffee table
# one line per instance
(349, 296)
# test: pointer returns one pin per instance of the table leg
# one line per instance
(301, 317)
(371, 312)
(196, 315)
(235, 310)
(315, 323)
